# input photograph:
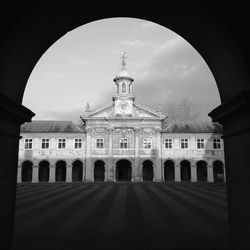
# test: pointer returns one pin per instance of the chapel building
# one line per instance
(122, 141)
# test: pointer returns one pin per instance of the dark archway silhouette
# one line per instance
(147, 171)
(201, 170)
(43, 174)
(99, 170)
(169, 171)
(218, 171)
(61, 171)
(77, 171)
(27, 171)
(185, 170)
(123, 170)
(191, 19)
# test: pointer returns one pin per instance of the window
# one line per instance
(28, 143)
(168, 143)
(99, 143)
(123, 143)
(216, 143)
(45, 143)
(123, 87)
(78, 143)
(61, 143)
(147, 143)
(184, 143)
(200, 143)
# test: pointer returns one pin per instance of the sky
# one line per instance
(79, 68)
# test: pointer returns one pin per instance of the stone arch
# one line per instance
(99, 170)
(201, 170)
(218, 171)
(77, 170)
(147, 170)
(185, 170)
(169, 170)
(27, 169)
(43, 173)
(188, 21)
(61, 171)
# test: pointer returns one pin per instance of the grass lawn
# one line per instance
(121, 216)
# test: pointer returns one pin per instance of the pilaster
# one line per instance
(210, 174)
(89, 171)
(137, 172)
(158, 177)
(177, 173)
(193, 173)
(110, 168)
(35, 174)
(52, 174)
(68, 173)
(19, 174)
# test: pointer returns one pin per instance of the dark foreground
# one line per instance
(131, 216)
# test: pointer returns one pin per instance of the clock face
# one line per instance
(123, 107)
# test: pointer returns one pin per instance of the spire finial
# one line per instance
(123, 57)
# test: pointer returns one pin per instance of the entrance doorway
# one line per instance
(218, 171)
(99, 171)
(185, 171)
(27, 171)
(77, 171)
(61, 171)
(147, 171)
(201, 171)
(123, 170)
(169, 170)
(43, 174)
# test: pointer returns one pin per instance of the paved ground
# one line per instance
(131, 216)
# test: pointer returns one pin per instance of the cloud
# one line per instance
(135, 43)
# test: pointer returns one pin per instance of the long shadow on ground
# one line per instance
(121, 216)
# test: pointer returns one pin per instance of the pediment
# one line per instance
(144, 112)
(108, 111)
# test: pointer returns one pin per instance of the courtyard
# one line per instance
(121, 215)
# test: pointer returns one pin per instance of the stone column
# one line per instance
(52, 174)
(193, 173)
(234, 115)
(68, 173)
(158, 173)
(225, 175)
(12, 116)
(19, 174)
(137, 171)
(89, 170)
(35, 174)
(110, 168)
(177, 173)
(210, 174)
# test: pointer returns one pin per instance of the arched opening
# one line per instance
(27, 171)
(218, 171)
(61, 171)
(147, 171)
(43, 174)
(208, 46)
(99, 170)
(77, 170)
(169, 170)
(185, 171)
(201, 170)
(123, 170)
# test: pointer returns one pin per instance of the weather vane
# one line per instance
(123, 57)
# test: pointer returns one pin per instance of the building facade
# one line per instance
(122, 141)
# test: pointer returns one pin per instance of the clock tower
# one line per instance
(124, 98)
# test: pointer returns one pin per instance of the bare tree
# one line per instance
(181, 111)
